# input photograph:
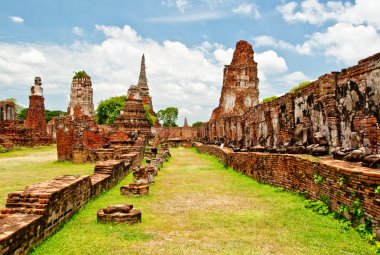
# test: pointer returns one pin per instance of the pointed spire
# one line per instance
(143, 82)
(185, 123)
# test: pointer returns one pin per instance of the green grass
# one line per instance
(198, 207)
(31, 165)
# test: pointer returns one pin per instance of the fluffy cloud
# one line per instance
(247, 9)
(16, 19)
(344, 42)
(315, 12)
(189, 78)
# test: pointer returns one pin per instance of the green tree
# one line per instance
(168, 116)
(52, 114)
(20, 111)
(109, 109)
(197, 124)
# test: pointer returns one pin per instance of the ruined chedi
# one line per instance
(133, 117)
(142, 87)
(240, 90)
(35, 116)
(81, 95)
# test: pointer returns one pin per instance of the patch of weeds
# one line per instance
(341, 181)
(317, 206)
(377, 190)
(318, 179)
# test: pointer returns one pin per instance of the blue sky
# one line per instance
(186, 43)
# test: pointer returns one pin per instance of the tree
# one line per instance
(168, 116)
(20, 111)
(54, 113)
(109, 109)
(197, 124)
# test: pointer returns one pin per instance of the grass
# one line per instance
(198, 207)
(31, 165)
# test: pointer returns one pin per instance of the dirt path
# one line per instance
(198, 207)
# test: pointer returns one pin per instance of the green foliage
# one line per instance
(318, 179)
(2, 149)
(357, 211)
(317, 206)
(168, 116)
(341, 180)
(151, 118)
(54, 113)
(269, 99)
(377, 190)
(300, 86)
(81, 74)
(109, 109)
(197, 124)
(50, 114)
(19, 109)
(21, 116)
(343, 208)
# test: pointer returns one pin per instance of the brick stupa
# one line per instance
(133, 118)
(240, 90)
(35, 116)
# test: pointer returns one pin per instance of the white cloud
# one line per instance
(16, 19)
(343, 42)
(270, 63)
(293, 79)
(77, 30)
(316, 12)
(247, 9)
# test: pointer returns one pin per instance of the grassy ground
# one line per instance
(198, 207)
(32, 165)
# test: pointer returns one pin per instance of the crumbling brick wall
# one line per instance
(343, 183)
(340, 105)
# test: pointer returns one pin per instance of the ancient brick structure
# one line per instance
(39, 210)
(7, 110)
(138, 188)
(340, 109)
(133, 118)
(81, 95)
(35, 116)
(342, 182)
(240, 83)
(175, 135)
(185, 125)
(33, 132)
(116, 214)
(141, 90)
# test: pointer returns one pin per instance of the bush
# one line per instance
(269, 99)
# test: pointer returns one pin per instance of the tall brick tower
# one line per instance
(35, 116)
(240, 89)
(81, 96)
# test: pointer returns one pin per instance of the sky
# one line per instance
(186, 45)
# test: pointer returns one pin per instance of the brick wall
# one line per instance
(340, 105)
(296, 173)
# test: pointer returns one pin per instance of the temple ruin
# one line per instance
(35, 116)
(7, 110)
(81, 95)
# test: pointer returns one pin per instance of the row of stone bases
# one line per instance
(143, 176)
(36, 212)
